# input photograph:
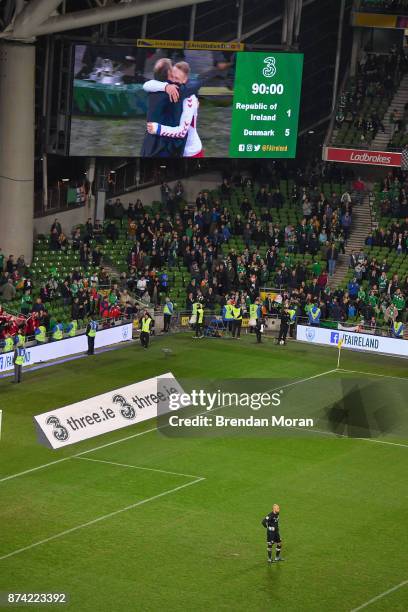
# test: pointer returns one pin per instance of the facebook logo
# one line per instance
(241, 147)
(334, 337)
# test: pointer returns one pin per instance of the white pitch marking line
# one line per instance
(338, 435)
(137, 467)
(91, 450)
(381, 442)
(297, 382)
(380, 596)
(99, 519)
(39, 467)
(330, 433)
(141, 433)
(372, 374)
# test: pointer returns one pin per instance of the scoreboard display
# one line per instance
(245, 103)
(266, 101)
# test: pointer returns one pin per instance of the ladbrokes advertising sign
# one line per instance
(361, 156)
(107, 412)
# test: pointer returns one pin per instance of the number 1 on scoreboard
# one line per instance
(289, 112)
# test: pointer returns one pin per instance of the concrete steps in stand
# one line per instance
(380, 142)
(359, 230)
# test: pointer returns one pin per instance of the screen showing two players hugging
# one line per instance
(143, 102)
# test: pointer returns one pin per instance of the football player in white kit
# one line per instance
(189, 116)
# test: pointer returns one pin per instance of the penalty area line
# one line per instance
(380, 596)
(91, 450)
(138, 467)
(99, 519)
(141, 433)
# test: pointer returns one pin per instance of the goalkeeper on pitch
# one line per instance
(271, 522)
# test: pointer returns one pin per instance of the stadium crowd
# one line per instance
(296, 259)
(376, 287)
(374, 292)
(394, 196)
(199, 236)
(87, 289)
(377, 78)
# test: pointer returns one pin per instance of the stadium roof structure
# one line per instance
(41, 17)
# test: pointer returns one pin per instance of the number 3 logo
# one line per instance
(270, 68)
(60, 432)
(127, 411)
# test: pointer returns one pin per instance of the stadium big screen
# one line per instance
(231, 103)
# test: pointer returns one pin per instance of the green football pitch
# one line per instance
(143, 521)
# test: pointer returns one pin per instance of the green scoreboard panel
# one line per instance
(266, 104)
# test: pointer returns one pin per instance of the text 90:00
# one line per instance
(273, 88)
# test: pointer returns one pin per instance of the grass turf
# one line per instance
(343, 501)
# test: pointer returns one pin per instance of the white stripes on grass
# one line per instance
(331, 433)
(382, 442)
(39, 467)
(99, 519)
(91, 450)
(302, 380)
(136, 467)
(339, 435)
(372, 374)
(380, 596)
(141, 433)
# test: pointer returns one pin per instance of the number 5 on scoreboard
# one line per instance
(287, 132)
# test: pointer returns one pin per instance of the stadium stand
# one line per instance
(236, 238)
(366, 99)
(233, 241)
(378, 273)
(271, 231)
(400, 133)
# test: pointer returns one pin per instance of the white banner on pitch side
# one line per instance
(68, 346)
(107, 412)
(352, 340)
